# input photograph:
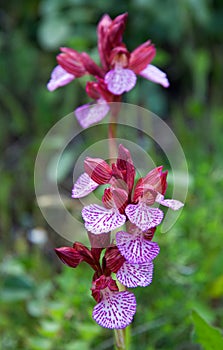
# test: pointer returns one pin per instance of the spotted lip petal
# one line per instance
(156, 75)
(143, 216)
(115, 310)
(59, 77)
(89, 114)
(83, 186)
(120, 80)
(135, 248)
(100, 220)
(134, 275)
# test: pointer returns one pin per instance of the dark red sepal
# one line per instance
(69, 256)
(114, 259)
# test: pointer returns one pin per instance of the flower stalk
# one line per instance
(120, 339)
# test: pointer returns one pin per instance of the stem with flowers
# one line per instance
(129, 257)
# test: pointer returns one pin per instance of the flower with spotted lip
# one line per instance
(116, 75)
(149, 190)
(115, 310)
(128, 273)
(120, 202)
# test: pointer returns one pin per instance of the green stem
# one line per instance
(112, 129)
(120, 339)
(112, 138)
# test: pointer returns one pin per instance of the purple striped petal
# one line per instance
(59, 77)
(120, 80)
(100, 220)
(134, 275)
(144, 216)
(115, 310)
(136, 249)
(83, 186)
(156, 75)
(89, 114)
(170, 203)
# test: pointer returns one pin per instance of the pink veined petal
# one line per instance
(89, 114)
(120, 80)
(172, 204)
(115, 310)
(144, 216)
(134, 275)
(100, 220)
(156, 75)
(136, 249)
(83, 186)
(59, 77)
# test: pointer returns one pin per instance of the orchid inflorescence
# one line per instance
(130, 255)
(123, 259)
(116, 75)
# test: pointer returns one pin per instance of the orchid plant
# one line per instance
(130, 255)
(123, 259)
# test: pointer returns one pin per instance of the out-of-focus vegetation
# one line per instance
(46, 306)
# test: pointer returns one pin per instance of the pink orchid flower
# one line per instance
(114, 309)
(117, 74)
(120, 202)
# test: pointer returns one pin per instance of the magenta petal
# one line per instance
(115, 310)
(135, 248)
(100, 220)
(83, 186)
(120, 80)
(89, 114)
(59, 77)
(134, 275)
(144, 216)
(156, 75)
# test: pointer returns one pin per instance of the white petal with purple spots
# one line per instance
(115, 310)
(120, 80)
(144, 216)
(156, 75)
(83, 186)
(89, 114)
(100, 220)
(59, 77)
(135, 248)
(134, 275)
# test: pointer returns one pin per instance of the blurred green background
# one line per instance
(45, 305)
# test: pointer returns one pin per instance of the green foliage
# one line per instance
(209, 337)
(46, 306)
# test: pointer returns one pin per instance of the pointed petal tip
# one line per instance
(59, 77)
(83, 186)
(156, 75)
(89, 114)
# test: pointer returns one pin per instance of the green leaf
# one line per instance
(209, 337)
